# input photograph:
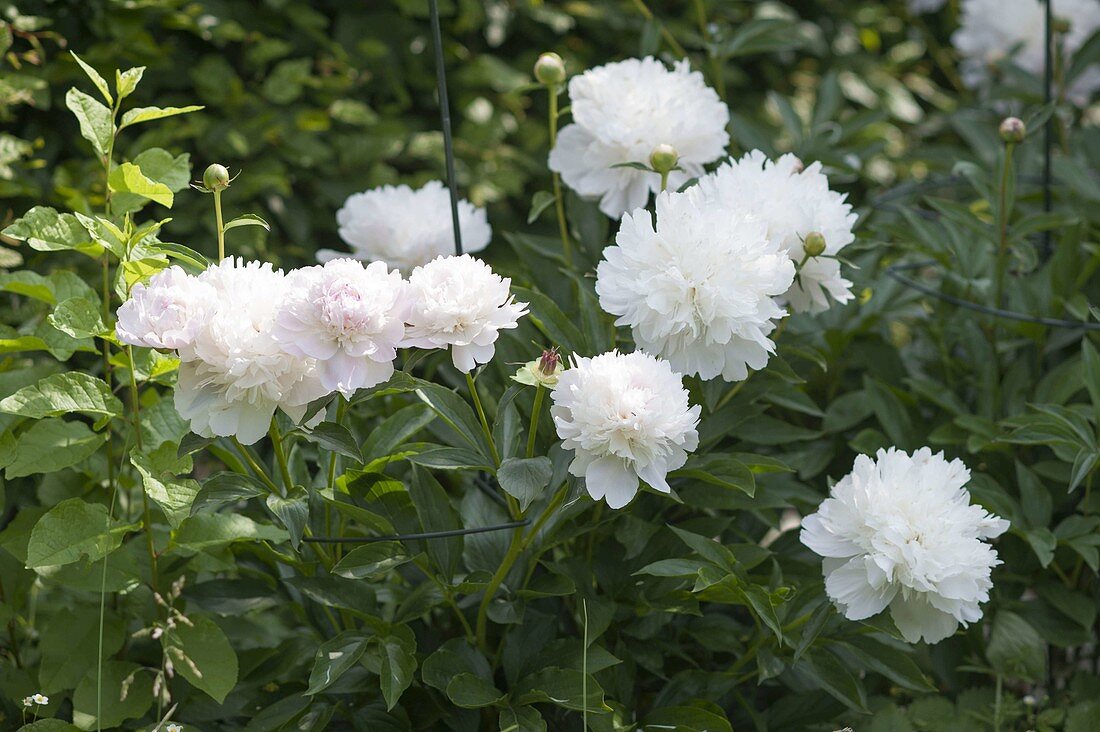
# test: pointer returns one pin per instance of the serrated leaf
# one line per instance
(71, 530)
(46, 230)
(59, 394)
(53, 444)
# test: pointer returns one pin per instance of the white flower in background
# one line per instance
(460, 302)
(899, 531)
(406, 228)
(621, 112)
(626, 417)
(28, 701)
(174, 728)
(696, 289)
(994, 31)
(165, 312)
(347, 316)
(40, 699)
(235, 374)
(925, 6)
(792, 201)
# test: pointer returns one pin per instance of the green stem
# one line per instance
(1002, 227)
(514, 549)
(341, 410)
(280, 457)
(484, 420)
(559, 199)
(997, 704)
(255, 465)
(221, 228)
(715, 62)
(146, 513)
(533, 430)
(669, 38)
(664, 180)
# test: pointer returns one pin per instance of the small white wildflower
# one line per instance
(621, 112)
(406, 228)
(460, 302)
(40, 699)
(899, 531)
(173, 727)
(626, 417)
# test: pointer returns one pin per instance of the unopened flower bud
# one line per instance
(815, 244)
(664, 158)
(216, 177)
(1061, 26)
(548, 364)
(550, 69)
(1013, 130)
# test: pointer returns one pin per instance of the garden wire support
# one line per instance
(1048, 95)
(415, 537)
(445, 118)
(897, 271)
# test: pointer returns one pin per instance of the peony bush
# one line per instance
(744, 378)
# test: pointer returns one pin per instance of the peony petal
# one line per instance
(849, 587)
(917, 620)
(610, 478)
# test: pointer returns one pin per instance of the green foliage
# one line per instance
(701, 611)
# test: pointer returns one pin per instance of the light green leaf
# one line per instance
(128, 178)
(59, 394)
(70, 530)
(78, 317)
(246, 220)
(95, 121)
(46, 230)
(126, 81)
(53, 444)
(201, 654)
(99, 81)
(159, 474)
(138, 115)
(159, 166)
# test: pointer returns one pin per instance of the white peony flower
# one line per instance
(406, 228)
(235, 374)
(626, 417)
(166, 312)
(697, 288)
(621, 112)
(899, 531)
(460, 302)
(347, 316)
(993, 31)
(792, 201)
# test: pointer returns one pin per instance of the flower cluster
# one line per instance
(39, 699)
(899, 531)
(626, 417)
(993, 31)
(252, 339)
(705, 285)
(621, 112)
(407, 228)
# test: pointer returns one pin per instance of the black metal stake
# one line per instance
(414, 537)
(1048, 97)
(445, 116)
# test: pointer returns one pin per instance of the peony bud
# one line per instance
(1013, 130)
(814, 244)
(550, 69)
(664, 158)
(216, 177)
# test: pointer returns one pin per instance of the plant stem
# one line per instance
(280, 457)
(559, 200)
(221, 229)
(997, 704)
(146, 514)
(514, 549)
(664, 180)
(256, 467)
(1002, 226)
(715, 62)
(669, 38)
(484, 421)
(341, 410)
(533, 430)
